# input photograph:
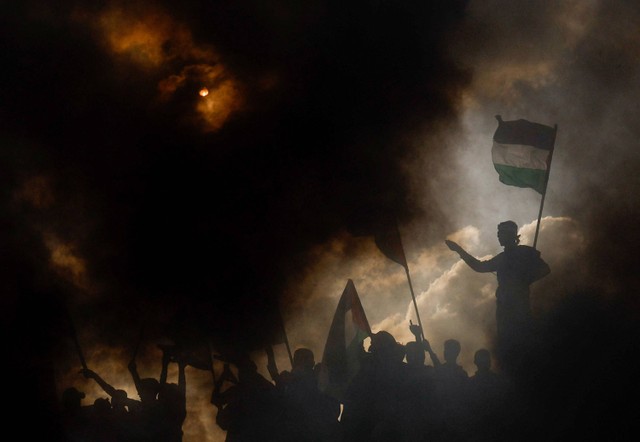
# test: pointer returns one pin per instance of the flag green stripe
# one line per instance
(357, 339)
(521, 177)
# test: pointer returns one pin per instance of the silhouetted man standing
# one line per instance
(517, 267)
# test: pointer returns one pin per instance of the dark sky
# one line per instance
(158, 206)
(128, 198)
(123, 202)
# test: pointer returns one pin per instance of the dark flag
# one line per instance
(387, 238)
(196, 354)
(349, 329)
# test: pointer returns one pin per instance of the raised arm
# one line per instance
(218, 398)
(133, 369)
(90, 374)
(473, 262)
(182, 378)
(166, 358)
(432, 354)
(416, 330)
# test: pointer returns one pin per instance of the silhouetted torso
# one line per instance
(517, 267)
(374, 400)
(491, 405)
(249, 410)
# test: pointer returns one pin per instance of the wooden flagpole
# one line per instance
(75, 341)
(213, 373)
(284, 334)
(140, 335)
(546, 181)
(406, 269)
(286, 341)
(413, 296)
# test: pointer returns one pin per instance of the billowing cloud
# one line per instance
(454, 302)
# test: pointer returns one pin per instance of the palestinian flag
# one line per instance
(521, 153)
(349, 328)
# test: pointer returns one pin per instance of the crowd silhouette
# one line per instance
(157, 415)
(397, 394)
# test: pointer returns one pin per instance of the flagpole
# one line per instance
(213, 372)
(284, 333)
(76, 342)
(389, 241)
(415, 304)
(406, 269)
(140, 335)
(286, 342)
(546, 181)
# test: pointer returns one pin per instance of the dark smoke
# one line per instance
(197, 233)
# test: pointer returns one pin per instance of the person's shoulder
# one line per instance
(528, 251)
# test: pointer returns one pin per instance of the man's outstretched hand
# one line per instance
(453, 245)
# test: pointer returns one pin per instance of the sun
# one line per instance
(204, 92)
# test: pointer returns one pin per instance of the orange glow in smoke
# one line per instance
(204, 92)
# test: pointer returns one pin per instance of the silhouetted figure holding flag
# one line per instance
(517, 267)
(148, 415)
(172, 400)
(416, 331)
(147, 388)
(119, 396)
(225, 400)
(123, 422)
(419, 384)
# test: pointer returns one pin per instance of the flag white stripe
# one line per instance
(518, 155)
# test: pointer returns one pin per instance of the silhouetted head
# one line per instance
(451, 350)
(508, 233)
(247, 369)
(303, 359)
(72, 398)
(385, 346)
(482, 359)
(415, 353)
(148, 389)
(381, 341)
(119, 399)
(101, 406)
